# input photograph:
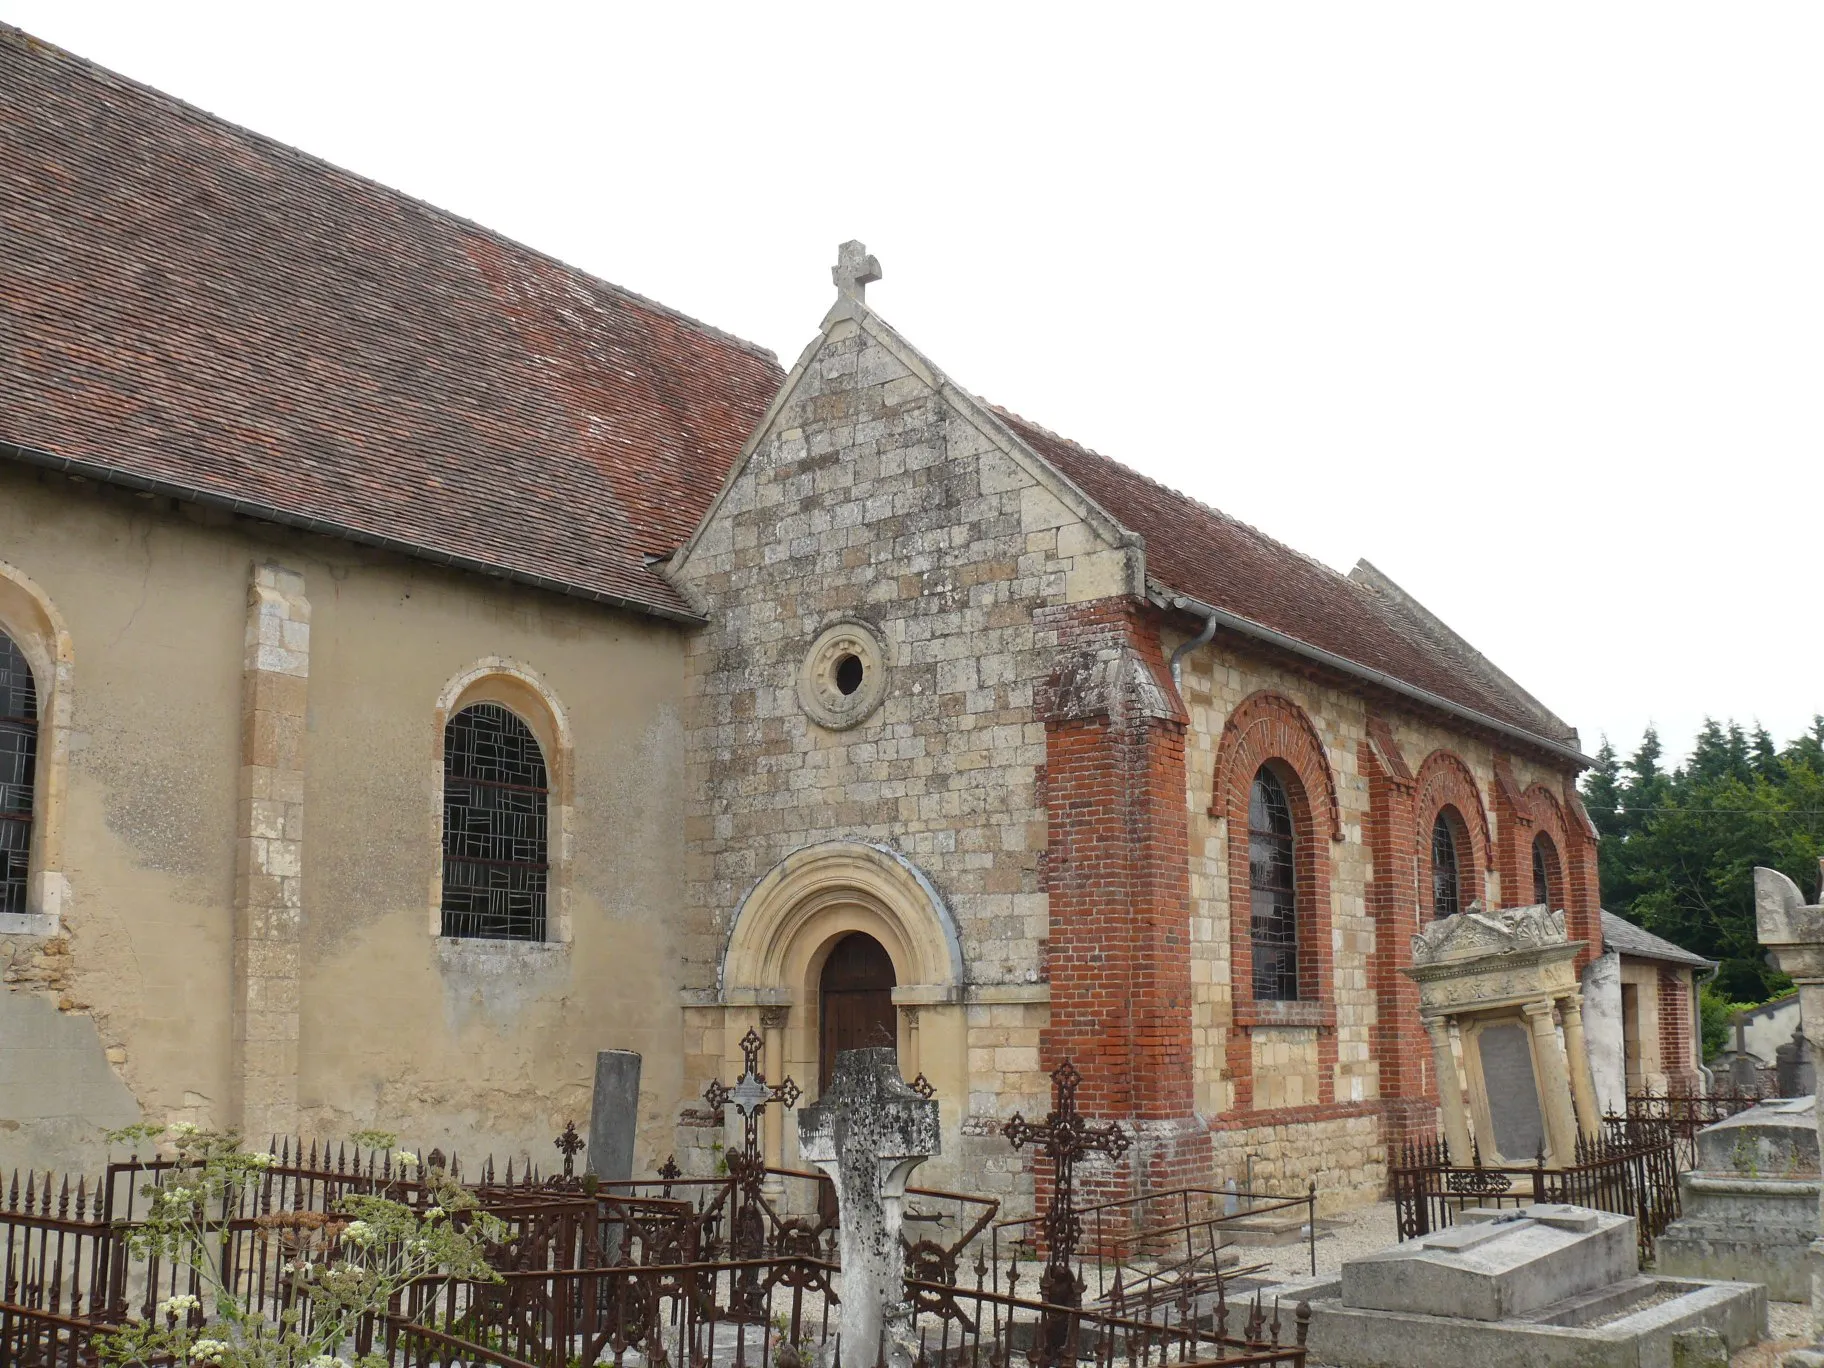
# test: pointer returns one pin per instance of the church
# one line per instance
(426, 665)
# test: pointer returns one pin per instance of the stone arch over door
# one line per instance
(772, 966)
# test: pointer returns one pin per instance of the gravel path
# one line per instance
(1339, 1238)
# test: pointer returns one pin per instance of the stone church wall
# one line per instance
(875, 494)
(460, 1045)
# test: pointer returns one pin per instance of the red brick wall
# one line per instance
(1676, 1049)
(1117, 875)
(1519, 818)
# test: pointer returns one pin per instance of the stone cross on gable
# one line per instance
(854, 270)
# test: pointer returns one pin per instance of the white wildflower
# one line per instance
(327, 1361)
(184, 1129)
(358, 1233)
(182, 1304)
(433, 1213)
(209, 1350)
(261, 1161)
(406, 1158)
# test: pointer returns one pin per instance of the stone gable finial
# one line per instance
(854, 270)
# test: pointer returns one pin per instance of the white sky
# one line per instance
(1521, 302)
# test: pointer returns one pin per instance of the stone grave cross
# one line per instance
(868, 1132)
(1063, 1137)
(854, 270)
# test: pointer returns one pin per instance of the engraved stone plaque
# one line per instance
(1513, 1093)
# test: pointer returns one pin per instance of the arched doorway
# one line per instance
(855, 1001)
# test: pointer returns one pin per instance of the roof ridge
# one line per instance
(1164, 488)
(33, 46)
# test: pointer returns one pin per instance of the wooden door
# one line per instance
(855, 1005)
(855, 1001)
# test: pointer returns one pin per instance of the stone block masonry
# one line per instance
(877, 495)
(269, 864)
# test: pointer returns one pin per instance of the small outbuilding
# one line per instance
(1644, 989)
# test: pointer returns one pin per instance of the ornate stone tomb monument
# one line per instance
(868, 1132)
(1489, 985)
(1541, 1287)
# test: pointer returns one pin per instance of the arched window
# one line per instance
(18, 773)
(1546, 881)
(1445, 878)
(1272, 879)
(494, 827)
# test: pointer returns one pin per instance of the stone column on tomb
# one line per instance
(772, 1137)
(869, 1131)
(1793, 932)
(1554, 1082)
(1583, 1078)
(1450, 1089)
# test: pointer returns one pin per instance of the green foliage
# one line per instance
(345, 1265)
(1679, 848)
(1717, 1014)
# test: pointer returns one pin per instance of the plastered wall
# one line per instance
(462, 1045)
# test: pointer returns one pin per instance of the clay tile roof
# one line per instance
(1204, 554)
(192, 306)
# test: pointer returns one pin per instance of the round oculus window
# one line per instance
(844, 675)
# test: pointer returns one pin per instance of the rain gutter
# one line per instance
(1166, 598)
(323, 527)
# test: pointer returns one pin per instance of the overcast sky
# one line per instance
(1521, 302)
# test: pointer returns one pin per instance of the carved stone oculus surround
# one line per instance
(844, 675)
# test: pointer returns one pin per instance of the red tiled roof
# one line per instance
(1205, 554)
(187, 302)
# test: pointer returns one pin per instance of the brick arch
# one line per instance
(1548, 822)
(1269, 726)
(1269, 729)
(1445, 781)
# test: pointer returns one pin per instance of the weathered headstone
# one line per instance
(868, 1132)
(1795, 1071)
(614, 1114)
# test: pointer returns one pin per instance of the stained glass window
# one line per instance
(1274, 890)
(18, 773)
(1444, 899)
(494, 827)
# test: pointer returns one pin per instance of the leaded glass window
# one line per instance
(1273, 888)
(494, 827)
(1545, 869)
(18, 773)
(1444, 894)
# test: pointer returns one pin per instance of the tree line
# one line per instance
(1679, 846)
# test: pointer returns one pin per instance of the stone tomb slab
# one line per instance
(1496, 1265)
(1542, 1287)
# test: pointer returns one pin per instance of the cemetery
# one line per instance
(1533, 1232)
